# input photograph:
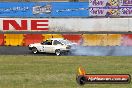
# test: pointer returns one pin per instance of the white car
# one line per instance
(58, 46)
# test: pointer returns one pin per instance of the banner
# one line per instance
(126, 8)
(104, 8)
(125, 2)
(66, 24)
(43, 9)
(93, 8)
(98, 12)
(110, 8)
(126, 11)
(103, 3)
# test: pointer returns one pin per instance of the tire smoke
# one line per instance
(102, 51)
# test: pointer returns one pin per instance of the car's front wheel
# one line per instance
(34, 50)
(67, 53)
(58, 52)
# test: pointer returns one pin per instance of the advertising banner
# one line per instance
(103, 3)
(43, 9)
(125, 2)
(19, 24)
(126, 8)
(104, 8)
(96, 12)
(70, 9)
(66, 24)
(126, 11)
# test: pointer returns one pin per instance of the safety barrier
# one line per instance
(126, 40)
(114, 39)
(1, 39)
(85, 39)
(94, 39)
(66, 25)
(101, 39)
(77, 38)
(46, 36)
(32, 38)
(89, 40)
(13, 39)
(57, 36)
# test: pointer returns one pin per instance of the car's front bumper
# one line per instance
(65, 50)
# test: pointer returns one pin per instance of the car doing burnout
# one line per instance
(58, 46)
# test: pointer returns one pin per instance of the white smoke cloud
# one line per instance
(103, 51)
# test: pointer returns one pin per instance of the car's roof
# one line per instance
(56, 39)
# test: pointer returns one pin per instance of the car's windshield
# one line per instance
(66, 42)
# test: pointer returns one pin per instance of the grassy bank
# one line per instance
(58, 72)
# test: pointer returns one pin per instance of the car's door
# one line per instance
(57, 45)
(47, 46)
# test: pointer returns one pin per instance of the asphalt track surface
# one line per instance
(18, 50)
(80, 51)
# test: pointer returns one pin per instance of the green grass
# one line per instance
(58, 72)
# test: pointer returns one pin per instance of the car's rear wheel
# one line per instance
(58, 52)
(34, 50)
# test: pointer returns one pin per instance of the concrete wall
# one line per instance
(75, 24)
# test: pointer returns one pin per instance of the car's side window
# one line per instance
(47, 42)
(56, 42)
